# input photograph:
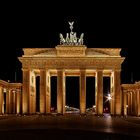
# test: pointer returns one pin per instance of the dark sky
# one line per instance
(33, 26)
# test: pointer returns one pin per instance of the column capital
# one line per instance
(99, 69)
(83, 69)
(125, 91)
(62, 70)
(99, 72)
(59, 69)
(116, 70)
(42, 69)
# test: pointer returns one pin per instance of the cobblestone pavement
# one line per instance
(69, 126)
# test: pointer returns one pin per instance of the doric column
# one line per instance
(129, 103)
(14, 102)
(25, 91)
(99, 92)
(138, 102)
(32, 93)
(18, 100)
(60, 91)
(48, 91)
(82, 91)
(116, 93)
(135, 103)
(124, 104)
(10, 101)
(7, 100)
(112, 101)
(1, 100)
(43, 90)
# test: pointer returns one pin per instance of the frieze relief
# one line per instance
(72, 63)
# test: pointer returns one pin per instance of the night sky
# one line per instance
(33, 26)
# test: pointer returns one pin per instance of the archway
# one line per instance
(90, 94)
(53, 93)
(38, 94)
(72, 94)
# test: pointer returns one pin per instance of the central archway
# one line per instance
(72, 94)
(90, 94)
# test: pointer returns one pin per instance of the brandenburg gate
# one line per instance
(70, 58)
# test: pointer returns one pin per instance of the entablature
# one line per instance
(87, 63)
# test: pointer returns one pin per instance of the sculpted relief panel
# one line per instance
(73, 63)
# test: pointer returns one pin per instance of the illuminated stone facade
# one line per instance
(131, 99)
(10, 98)
(68, 60)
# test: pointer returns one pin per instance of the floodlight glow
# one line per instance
(109, 97)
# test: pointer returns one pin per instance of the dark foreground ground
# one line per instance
(69, 127)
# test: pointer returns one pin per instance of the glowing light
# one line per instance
(94, 106)
(109, 97)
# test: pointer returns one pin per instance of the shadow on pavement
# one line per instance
(62, 135)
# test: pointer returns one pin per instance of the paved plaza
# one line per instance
(69, 126)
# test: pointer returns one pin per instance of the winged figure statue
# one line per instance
(71, 25)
